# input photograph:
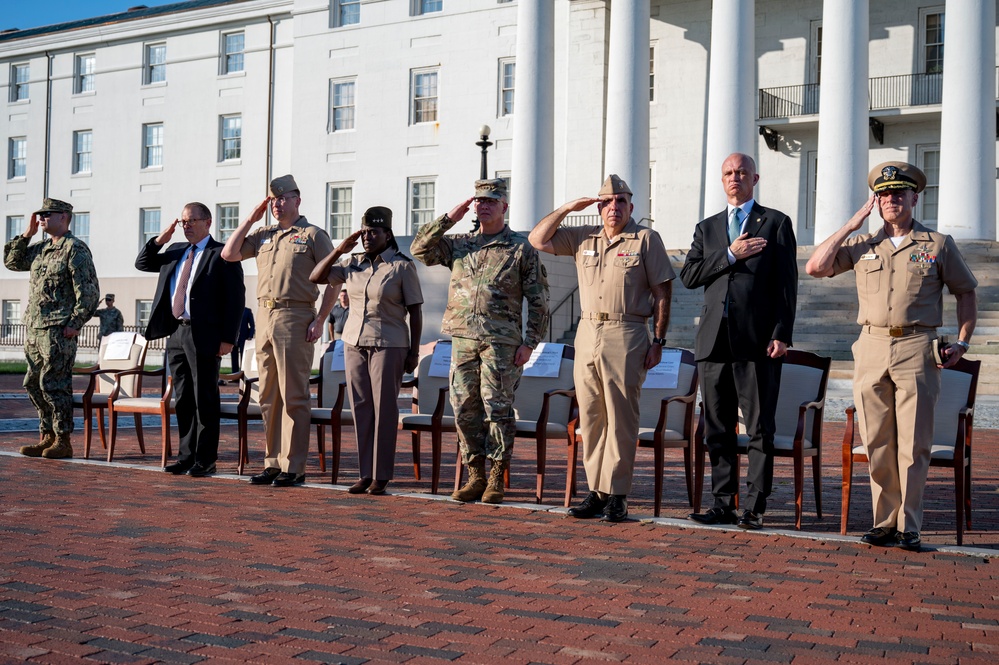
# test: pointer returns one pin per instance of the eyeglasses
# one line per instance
(190, 222)
(284, 198)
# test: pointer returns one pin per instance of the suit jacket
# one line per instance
(217, 295)
(761, 290)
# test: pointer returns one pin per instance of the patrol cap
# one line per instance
(896, 175)
(377, 217)
(109, 296)
(493, 188)
(283, 185)
(614, 185)
(54, 205)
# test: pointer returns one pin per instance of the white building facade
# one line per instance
(379, 102)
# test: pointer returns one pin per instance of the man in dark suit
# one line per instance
(247, 330)
(745, 260)
(199, 304)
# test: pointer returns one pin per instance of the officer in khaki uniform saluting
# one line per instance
(624, 278)
(287, 324)
(901, 271)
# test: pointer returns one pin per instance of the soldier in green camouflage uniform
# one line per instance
(62, 295)
(492, 272)
(111, 319)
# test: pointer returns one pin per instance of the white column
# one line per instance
(731, 93)
(968, 122)
(533, 169)
(627, 142)
(843, 159)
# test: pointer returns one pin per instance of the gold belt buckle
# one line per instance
(602, 316)
(269, 304)
(896, 331)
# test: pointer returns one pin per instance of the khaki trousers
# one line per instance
(284, 360)
(609, 371)
(895, 387)
(374, 378)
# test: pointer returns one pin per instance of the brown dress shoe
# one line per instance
(360, 486)
(378, 487)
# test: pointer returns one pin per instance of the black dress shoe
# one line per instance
(714, 516)
(360, 486)
(880, 536)
(178, 468)
(909, 541)
(199, 471)
(751, 521)
(616, 509)
(378, 487)
(592, 506)
(265, 477)
(288, 479)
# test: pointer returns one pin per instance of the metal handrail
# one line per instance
(571, 299)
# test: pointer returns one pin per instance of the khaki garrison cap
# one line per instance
(614, 185)
(283, 185)
(54, 205)
(896, 175)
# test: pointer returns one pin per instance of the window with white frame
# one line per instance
(82, 148)
(652, 72)
(11, 312)
(143, 310)
(81, 226)
(230, 137)
(19, 75)
(507, 78)
(815, 52)
(83, 75)
(149, 225)
(15, 226)
(423, 107)
(420, 7)
(152, 145)
(232, 52)
(928, 159)
(422, 192)
(342, 104)
(932, 20)
(227, 215)
(341, 207)
(17, 163)
(155, 69)
(346, 12)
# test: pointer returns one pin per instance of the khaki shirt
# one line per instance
(904, 286)
(380, 291)
(616, 276)
(285, 259)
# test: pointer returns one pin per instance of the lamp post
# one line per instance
(484, 143)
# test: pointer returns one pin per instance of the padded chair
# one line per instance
(332, 410)
(432, 413)
(800, 410)
(122, 401)
(952, 433)
(101, 382)
(247, 408)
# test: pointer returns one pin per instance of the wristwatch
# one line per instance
(661, 341)
(964, 345)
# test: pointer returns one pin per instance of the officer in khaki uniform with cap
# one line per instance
(62, 295)
(624, 278)
(493, 271)
(287, 324)
(901, 271)
(379, 346)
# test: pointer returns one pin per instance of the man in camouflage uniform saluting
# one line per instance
(492, 272)
(111, 319)
(62, 295)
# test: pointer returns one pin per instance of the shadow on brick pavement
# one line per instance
(123, 563)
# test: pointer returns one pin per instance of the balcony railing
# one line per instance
(884, 92)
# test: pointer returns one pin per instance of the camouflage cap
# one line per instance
(896, 175)
(283, 185)
(109, 296)
(494, 188)
(54, 205)
(377, 217)
(614, 185)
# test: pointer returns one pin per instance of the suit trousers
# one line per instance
(195, 381)
(374, 378)
(895, 387)
(727, 385)
(609, 371)
(284, 360)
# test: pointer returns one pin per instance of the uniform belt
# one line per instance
(614, 316)
(270, 303)
(898, 331)
(183, 322)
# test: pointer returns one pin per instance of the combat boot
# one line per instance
(476, 485)
(35, 450)
(494, 486)
(62, 448)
